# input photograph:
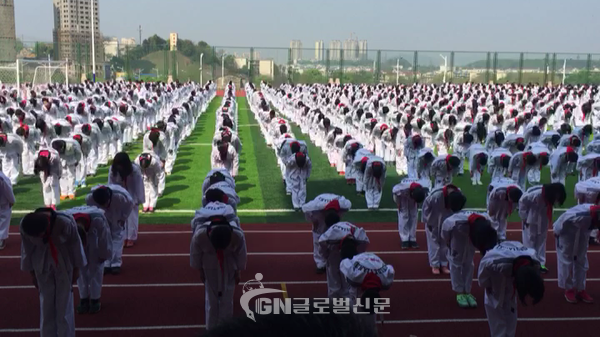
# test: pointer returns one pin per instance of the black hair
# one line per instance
(455, 201)
(575, 142)
(300, 159)
(572, 157)
(467, 138)
(428, 157)
(555, 193)
(220, 234)
(283, 128)
(565, 129)
(59, 145)
(482, 235)
(481, 131)
(348, 248)
(215, 195)
(102, 195)
(216, 177)
(520, 147)
(535, 131)
(483, 159)
(453, 161)
(122, 165)
(418, 194)
(377, 169)
(369, 296)
(331, 217)
(528, 280)
(499, 137)
(514, 194)
(34, 224)
(555, 140)
(154, 137)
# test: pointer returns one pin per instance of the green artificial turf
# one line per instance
(183, 189)
(259, 183)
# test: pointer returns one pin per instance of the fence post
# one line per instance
(18, 79)
(495, 66)
(341, 65)
(327, 65)
(553, 68)
(79, 62)
(127, 65)
(451, 66)
(290, 71)
(487, 67)
(546, 64)
(166, 63)
(215, 60)
(521, 56)
(415, 66)
(378, 67)
(174, 65)
(588, 72)
(251, 66)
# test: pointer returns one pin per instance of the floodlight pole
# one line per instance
(93, 44)
(445, 58)
(201, 56)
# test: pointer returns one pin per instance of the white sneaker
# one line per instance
(479, 183)
(2, 244)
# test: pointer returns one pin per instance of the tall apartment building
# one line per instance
(335, 50)
(319, 50)
(296, 46)
(351, 50)
(8, 53)
(72, 32)
(363, 50)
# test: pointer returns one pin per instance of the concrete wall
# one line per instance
(7, 31)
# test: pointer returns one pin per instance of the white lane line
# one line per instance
(400, 252)
(476, 320)
(282, 210)
(117, 328)
(185, 285)
(415, 321)
(282, 231)
(198, 144)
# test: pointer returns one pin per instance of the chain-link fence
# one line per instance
(155, 59)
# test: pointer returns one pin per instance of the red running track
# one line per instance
(158, 294)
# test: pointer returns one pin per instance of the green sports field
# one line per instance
(259, 183)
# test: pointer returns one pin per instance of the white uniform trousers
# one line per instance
(572, 261)
(51, 191)
(5, 214)
(90, 278)
(319, 259)
(67, 181)
(117, 237)
(436, 249)
(407, 225)
(373, 193)
(502, 320)
(536, 241)
(10, 167)
(56, 304)
(151, 192)
(218, 306)
(132, 224)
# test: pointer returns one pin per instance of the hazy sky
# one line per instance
(469, 25)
